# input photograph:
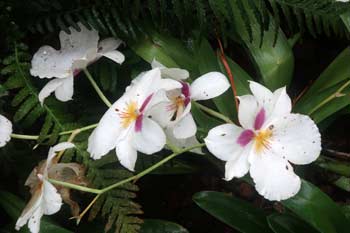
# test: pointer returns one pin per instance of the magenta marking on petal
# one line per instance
(145, 103)
(76, 72)
(138, 123)
(245, 137)
(187, 101)
(185, 90)
(259, 119)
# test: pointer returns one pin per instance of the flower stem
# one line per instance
(213, 113)
(35, 137)
(229, 73)
(24, 137)
(74, 186)
(330, 98)
(97, 89)
(135, 177)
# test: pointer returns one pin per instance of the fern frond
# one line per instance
(29, 109)
(122, 19)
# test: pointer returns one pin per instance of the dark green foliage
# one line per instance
(124, 18)
(28, 108)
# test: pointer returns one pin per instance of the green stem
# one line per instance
(25, 137)
(138, 176)
(172, 146)
(213, 113)
(331, 97)
(97, 89)
(35, 137)
(80, 129)
(74, 186)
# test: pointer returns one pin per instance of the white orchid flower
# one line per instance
(78, 50)
(127, 125)
(5, 130)
(270, 138)
(175, 113)
(45, 198)
(172, 73)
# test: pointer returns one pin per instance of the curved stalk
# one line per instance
(132, 178)
(97, 89)
(213, 113)
(35, 137)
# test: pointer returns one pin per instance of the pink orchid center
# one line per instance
(131, 113)
(179, 102)
(261, 137)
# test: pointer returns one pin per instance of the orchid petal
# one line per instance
(64, 92)
(115, 56)
(34, 221)
(150, 139)
(208, 86)
(5, 130)
(282, 103)
(182, 143)
(48, 89)
(186, 127)
(57, 148)
(104, 137)
(171, 73)
(296, 138)
(78, 43)
(274, 177)
(248, 109)
(126, 153)
(108, 44)
(237, 167)
(52, 201)
(32, 213)
(48, 63)
(222, 142)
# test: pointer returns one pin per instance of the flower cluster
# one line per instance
(154, 100)
(155, 109)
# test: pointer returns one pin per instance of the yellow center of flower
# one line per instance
(129, 114)
(262, 140)
(178, 104)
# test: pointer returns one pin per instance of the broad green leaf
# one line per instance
(274, 62)
(329, 93)
(236, 213)
(337, 72)
(13, 206)
(319, 210)
(346, 20)
(161, 226)
(343, 183)
(338, 167)
(285, 223)
(176, 50)
(148, 50)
